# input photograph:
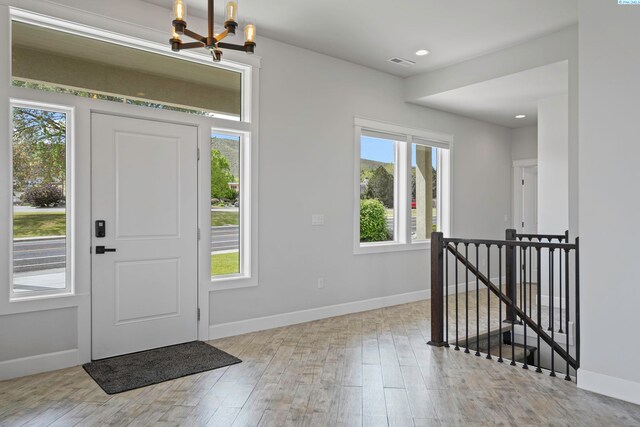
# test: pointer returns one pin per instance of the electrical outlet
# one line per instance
(320, 282)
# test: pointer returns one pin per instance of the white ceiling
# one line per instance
(500, 100)
(369, 32)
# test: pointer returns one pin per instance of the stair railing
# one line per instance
(518, 262)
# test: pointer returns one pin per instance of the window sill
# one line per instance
(232, 282)
(377, 248)
(41, 296)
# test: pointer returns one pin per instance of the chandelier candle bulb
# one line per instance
(250, 33)
(174, 34)
(231, 11)
(179, 10)
(175, 39)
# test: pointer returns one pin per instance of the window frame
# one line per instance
(402, 183)
(69, 289)
(244, 213)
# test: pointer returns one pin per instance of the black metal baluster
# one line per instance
(577, 299)
(525, 366)
(500, 303)
(530, 282)
(560, 287)
(550, 290)
(446, 294)
(489, 302)
(456, 285)
(466, 297)
(539, 302)
(512, 332)
(477, 300)
(551, 274)
(566, 318)
(520, 274)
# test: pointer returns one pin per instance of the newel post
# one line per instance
(512, 273)
(437, 290)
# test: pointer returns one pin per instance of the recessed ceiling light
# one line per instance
(422, 52)
(520, 116)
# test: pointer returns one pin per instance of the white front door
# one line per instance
(144, 269)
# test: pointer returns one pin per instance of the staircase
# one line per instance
(498, 344)
(487, 299)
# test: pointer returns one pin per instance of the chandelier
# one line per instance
(213, 42)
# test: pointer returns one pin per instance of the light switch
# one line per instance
(317, 219)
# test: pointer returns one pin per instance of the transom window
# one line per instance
(402, 187)
(82, 66)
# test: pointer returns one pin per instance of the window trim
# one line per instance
(402, 237)
(69, 290)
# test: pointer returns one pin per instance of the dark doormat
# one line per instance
(130, 371)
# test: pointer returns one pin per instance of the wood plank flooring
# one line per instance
(365, 369)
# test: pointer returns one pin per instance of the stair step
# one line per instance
(483, 336)
(520, 351)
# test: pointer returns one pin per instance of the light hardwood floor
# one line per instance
(372, 369)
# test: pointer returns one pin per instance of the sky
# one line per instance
(223, 136)
(381, 150)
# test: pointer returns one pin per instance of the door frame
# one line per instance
(79, 302)
(516, 190)
(80, 299)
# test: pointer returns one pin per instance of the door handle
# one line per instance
(101, 249)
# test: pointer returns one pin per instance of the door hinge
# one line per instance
(522, 224)
(198, 313)
(198, 153)
(522, 180)
(198, 233)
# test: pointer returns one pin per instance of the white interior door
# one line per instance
(144, 188)
(530, 200)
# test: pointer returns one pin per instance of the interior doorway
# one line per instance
(525, 196)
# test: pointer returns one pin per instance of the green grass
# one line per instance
(39, 224)
(219, 218)
(225, 263)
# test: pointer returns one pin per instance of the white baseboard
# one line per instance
(40, 363)
(278, 320)
(609, 386)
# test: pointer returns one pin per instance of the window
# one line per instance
(424, 190)
(402, 187)
(225, 205)
(377, 188)
(41, 153)
(67, 63)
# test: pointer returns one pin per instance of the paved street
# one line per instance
(38, 254)
(32, 255)
(225, 238)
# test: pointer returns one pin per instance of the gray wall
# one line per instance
(609, 202)
(307, 106)
(524, 143)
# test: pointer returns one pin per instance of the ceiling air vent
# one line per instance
(402, 62)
